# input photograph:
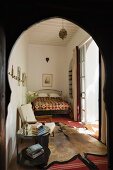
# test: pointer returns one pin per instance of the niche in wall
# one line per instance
(70, 80)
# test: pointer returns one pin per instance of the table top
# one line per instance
(41, 131)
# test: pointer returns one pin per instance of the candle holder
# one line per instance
(12, 72)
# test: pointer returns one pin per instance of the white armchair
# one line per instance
(27, 115)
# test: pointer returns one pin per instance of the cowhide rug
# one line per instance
(67, 143)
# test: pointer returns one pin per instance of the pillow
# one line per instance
(54, 95)
(26, 113)
(42, 95)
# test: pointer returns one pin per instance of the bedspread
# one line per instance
(50, 103)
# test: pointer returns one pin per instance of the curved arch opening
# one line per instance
(27, 64)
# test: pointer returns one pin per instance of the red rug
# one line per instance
(72, 165)
(100, 161)
(68, 121)
(73, 123)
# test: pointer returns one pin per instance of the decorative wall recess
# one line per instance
(70, 83)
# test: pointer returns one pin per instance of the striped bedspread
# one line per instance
(50, 103)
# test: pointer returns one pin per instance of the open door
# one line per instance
(88, 82)
(78, 85)
(81, 101)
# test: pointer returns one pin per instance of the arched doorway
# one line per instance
(29, 53)
(104, 42)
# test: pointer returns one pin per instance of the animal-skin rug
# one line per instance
(67, 143)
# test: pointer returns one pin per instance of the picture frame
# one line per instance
(47, 80)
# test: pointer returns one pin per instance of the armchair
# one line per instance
(27, 115)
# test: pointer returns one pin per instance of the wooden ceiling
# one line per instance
(47, 32)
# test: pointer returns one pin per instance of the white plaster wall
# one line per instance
(17, 58)
(37, 65)
(31, 59)
(58, 64)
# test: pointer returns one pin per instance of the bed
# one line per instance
(50, 102)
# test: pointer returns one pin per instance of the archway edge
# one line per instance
(89, 16)
(99, 36)
(26, 23)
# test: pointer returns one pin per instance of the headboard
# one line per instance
(31, 95)
(48, 91)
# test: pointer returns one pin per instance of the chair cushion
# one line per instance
(27, 114)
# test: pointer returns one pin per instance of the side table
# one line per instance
(22, 157)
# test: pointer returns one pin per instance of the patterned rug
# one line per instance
(101, 163)
(69, 143)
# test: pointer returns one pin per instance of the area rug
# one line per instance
(100, 161)
(69, 143)
(93, 129)
(71, 165)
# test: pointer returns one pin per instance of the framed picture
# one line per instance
(47, 80)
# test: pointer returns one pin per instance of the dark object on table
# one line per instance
(38, 160)
(34, 151)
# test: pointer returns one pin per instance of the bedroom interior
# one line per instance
(43, 61)
(17, 17)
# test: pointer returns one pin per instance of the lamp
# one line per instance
(62, 32)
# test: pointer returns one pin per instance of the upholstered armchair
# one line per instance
(27, 116)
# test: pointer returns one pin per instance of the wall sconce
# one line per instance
(18, 75)
(12, 72)
(23, 79)
(47, 59)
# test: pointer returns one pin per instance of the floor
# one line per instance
(92, 128)
(77, 164)
(14, 165)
